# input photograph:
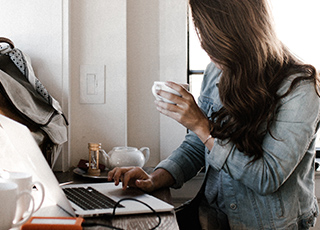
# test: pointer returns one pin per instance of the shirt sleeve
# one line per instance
(186, 161)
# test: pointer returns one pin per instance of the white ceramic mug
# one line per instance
(25, 184)
(9, 197)
(161, 85)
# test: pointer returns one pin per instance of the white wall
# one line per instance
(156, 51)
(142, 71)
(173, 65)
(38, 33)
(40, 29)
(137, 41)
(98, 37)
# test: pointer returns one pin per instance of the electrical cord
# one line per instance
(85, 224)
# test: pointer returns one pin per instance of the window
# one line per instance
(197, 60)
(297, 25)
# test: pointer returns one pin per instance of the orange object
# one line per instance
(53, 223)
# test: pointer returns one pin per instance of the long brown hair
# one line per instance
(239, 37)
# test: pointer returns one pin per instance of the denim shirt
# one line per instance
(274, 192)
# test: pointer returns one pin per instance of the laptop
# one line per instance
(20, 152)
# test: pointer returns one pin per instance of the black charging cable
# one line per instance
(86, 224)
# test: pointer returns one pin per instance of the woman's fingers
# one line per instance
(146, 185)
(185, 110)
(117, 173)
(180, 89)
(129, 176)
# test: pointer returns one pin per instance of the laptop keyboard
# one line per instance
(89, 198)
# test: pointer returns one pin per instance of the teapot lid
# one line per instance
(121, 148)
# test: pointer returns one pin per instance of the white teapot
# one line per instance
(126, 156)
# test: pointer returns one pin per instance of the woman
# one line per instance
(254, 129)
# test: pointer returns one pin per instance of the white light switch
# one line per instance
(92, 88)
(91, 84)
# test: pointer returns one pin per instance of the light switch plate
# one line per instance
(92, 84)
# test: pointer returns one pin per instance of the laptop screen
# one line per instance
(19, 152)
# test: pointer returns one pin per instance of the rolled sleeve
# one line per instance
(174, 169)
